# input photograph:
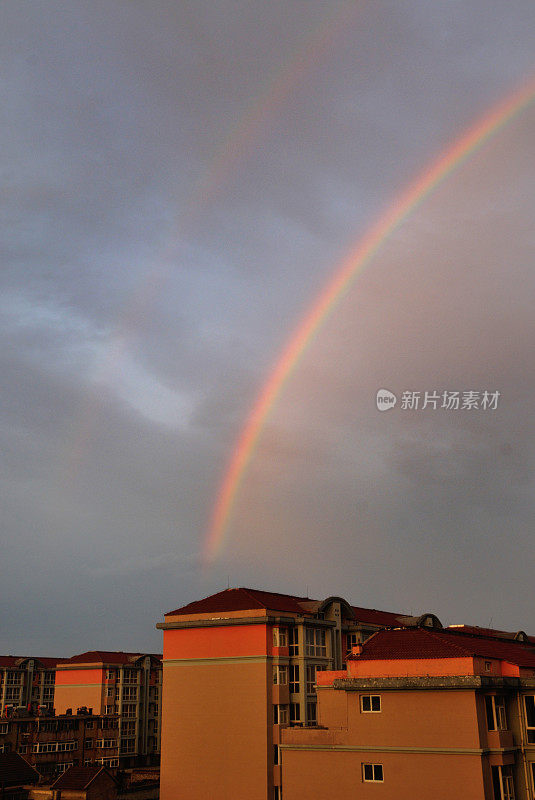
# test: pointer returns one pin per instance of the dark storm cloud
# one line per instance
(176, 191)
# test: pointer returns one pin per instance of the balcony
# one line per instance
(498, 740)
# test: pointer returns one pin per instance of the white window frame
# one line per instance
(280, 675)
(368, 700)
(280, 637)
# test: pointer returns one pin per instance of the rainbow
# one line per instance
(357, 260)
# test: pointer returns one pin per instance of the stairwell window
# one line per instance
(496, 717)
(294, 677)
(280, 637)
(372, 773)
(529, 703)
(280, 676)
(315, 642)
(294, 641)
(503, 783)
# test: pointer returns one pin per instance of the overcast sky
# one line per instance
(180, 181)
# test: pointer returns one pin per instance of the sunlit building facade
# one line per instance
(239, 667)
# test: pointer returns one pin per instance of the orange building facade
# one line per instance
(239, 667)
(421, 712)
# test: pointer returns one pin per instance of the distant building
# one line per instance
(421, 713)
(26, 681)
(239, 667)
(54, 744)
(128, 685)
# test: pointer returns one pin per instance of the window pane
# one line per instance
(376, 702)
(530, 710)
(368, 772)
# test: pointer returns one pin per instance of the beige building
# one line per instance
(125, 685)
(26, 681)
(239, 667)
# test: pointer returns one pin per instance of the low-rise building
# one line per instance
(421, 712)
(53, 744)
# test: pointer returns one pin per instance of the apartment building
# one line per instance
(52, 744)
(128, 685)
(421, 712)
(239, 666)
(26, 681)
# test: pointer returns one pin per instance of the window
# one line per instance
(49, 678)
(128, 727)
(295, 712)
(129, 692)
(12, 693)
(130, 676)
(88, 744)
(372, 773)
(312, 714)
(4, 728)
(128, 746)
(503, 783)
(110, 691)
(280, 715)
(280, 637)
(110, 674)
(529, 702)
(370, 703)
(294, 677)
(280, 675)
(13, 679)
(276, 754)
(89, 724)
(495, 708)
(106, 743)
(312, 670)
(488, 665)
(22, 749)
(129, 710)
(48, 693)
(110, 709)
(294, 641)
(315, 642)
(353, 639)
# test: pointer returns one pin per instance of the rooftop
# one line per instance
(78, 778)
(15, 770)
(107, 657)
(417, 643)
(244, 599)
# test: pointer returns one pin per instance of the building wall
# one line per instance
(217, 720)
(79, 687)
(332, 775)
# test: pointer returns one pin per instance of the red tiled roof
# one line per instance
(412, 643)
(15, 770)
(78, 778)
(242, 600)
(106, 657)
(15, 661)
(374, 617)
